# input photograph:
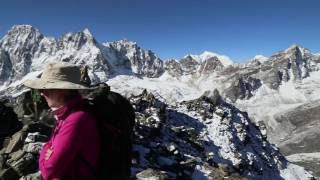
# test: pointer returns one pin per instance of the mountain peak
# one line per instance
(87, 32)
(295, 47)
(22, 26)
(225, 60)
(125, 41)
(24, 29)
(260, 58)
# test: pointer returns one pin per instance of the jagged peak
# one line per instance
(22, 29)
(23, 26)
(225, 60)
(125, 41)
(293, 47)
(189, 56)
(257, 60)
(21, 33)
(87, 32)
(122, 43)
(296, 47)
(260, 58)
(207, 55)
(172, 59)
(85, 36)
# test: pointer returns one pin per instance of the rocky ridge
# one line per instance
(203, 138)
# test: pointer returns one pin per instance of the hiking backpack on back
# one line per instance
(115, 119)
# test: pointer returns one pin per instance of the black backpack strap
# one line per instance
(93, 170)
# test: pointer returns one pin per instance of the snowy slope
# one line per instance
(204, 134)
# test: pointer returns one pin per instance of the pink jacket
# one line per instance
(75, 134)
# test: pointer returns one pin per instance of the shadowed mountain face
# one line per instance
(302, 133)
(269, 89)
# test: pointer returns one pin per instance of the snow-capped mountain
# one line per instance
(257, 60)
(267, 88)
(268, 91)
(140, 62)
(204, 63)
(225, 60)
(27, 50)
(24, 49)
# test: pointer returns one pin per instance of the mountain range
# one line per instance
(280, 93)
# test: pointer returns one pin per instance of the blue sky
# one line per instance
(239, 29)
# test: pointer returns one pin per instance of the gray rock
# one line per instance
(212, 97)
(25, 165)
(242, 88)
(152, 174)
(24, 106)
(16, 142)
(210, 65)
(189, 65)
(130, 55)
(34, 137)
(171, 147)
(16, 156)
(9, 122)
(33, 148)
(39, 128)
(173, 67)
(3, 159)
(33, 176)
(5, 66)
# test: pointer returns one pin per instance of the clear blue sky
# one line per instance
(239, 29)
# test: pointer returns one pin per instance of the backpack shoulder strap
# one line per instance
(87, 163)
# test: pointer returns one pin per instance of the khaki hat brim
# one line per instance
(41, 84)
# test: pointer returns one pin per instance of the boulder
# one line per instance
(25, 165)
(9, 122)
(33, 176)
(152, 174)
(16, 142)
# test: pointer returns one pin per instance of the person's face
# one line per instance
(54, 97)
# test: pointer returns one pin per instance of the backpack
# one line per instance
(115, 120)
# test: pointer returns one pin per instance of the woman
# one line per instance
(75, 137)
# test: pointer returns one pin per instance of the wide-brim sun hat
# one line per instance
(58, 76)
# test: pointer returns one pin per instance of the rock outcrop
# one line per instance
(205, 138)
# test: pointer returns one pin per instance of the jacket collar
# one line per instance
(64, 111)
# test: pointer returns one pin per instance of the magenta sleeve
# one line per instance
(65, 146)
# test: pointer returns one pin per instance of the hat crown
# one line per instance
(61, 72)
(58, 76)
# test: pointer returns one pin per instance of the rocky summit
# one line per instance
(259, 105)
(205, 138)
